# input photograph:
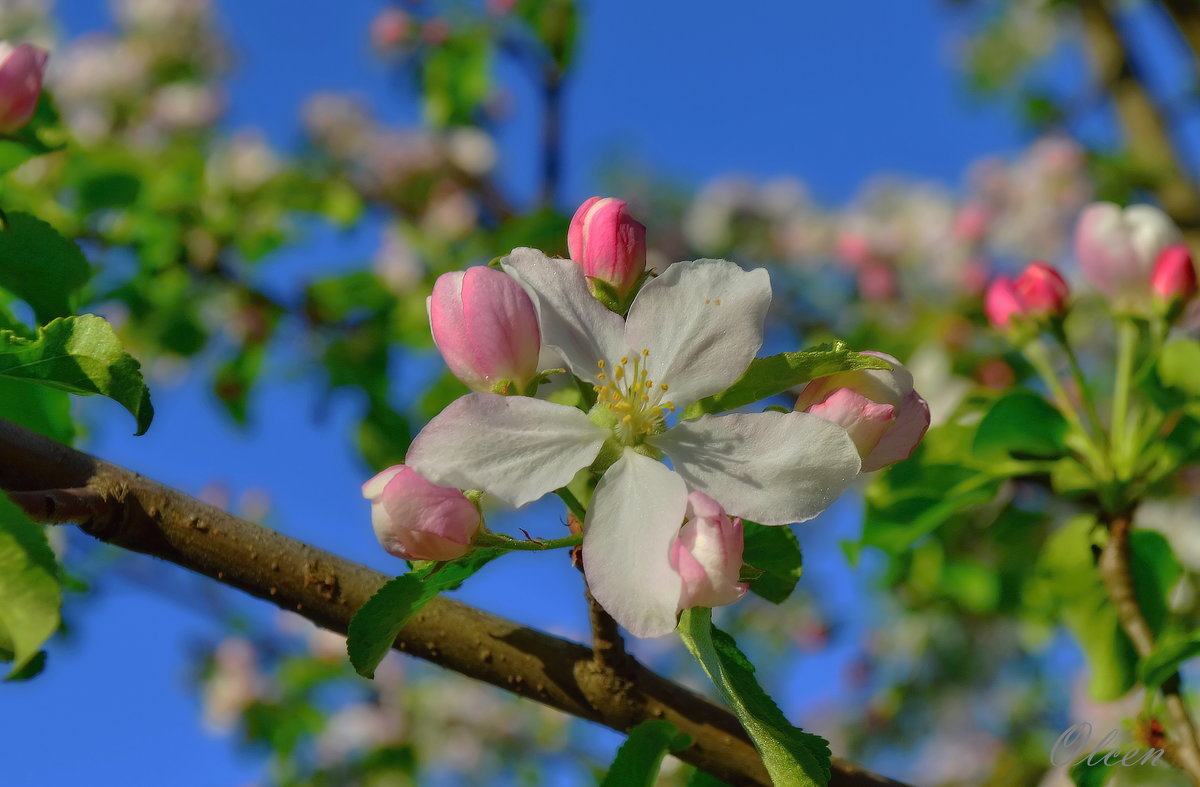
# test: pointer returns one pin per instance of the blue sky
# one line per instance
(807, 89)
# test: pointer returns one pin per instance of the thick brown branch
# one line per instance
(1146, 130)
(145, 516)
(1115, 567)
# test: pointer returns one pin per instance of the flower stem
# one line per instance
(573, 504)
(1126, 346)
(1077, 376)
(499, 541)
(1039, 358)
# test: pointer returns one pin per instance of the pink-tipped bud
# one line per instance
(486, 328)
(1001, 303)
(1042, 291)
(419, 520)
(608, 244)
(21, 70)
(708, 555)
(1174, 277)
(885, 417)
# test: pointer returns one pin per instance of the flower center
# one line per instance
(633, 398)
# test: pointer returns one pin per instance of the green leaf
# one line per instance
(376, 625)
(1085, 774)
(641, 755)
(456, 80)
(20, 147)
(773, 554)
(80, 355)
(1155, 571)
(777, 373)
(1024, 424)
(1179, 366)
(1067, 587)
(1166, 660)
(40, 266)
(30, 595)
(36, 407)
(794, 758)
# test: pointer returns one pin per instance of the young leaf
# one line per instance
(1166, 660)
(777, 373)
(1021, 423)
(641, 755)
(794, 758)
(1084, 774)
(40, 266)
(80, 355)
(1179, 366)
(30, 595)
(775, 553)
(375, 626)
(1067, 586)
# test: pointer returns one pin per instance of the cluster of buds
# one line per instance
(1039, 294)
(1136, 257)
(1132, 255)
(21, 71)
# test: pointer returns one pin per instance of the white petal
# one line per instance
(581, 328)
(771, 468)
(513, 447)
(632, 522)
(702, 322)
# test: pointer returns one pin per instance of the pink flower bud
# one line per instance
(1042, 291)
(608, 243)
(1174, 276)
(21, 70)
(708, 555)
(1117, 247)
(1001, 303)
(486, 328)
(885, 417)
(866, 421)
(419, 520)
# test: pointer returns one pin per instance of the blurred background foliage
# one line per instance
(979, 613)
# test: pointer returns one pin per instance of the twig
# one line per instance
(1115, 569)
(145, 516)
(608, 647)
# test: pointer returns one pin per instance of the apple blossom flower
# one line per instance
(1042, 291)
(1174, 276)
(21, 70)
(608, 243)
(1117, 248)
(708, 555)
(485, 326)
(691, 332)
(884, 416)
(418, 520)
